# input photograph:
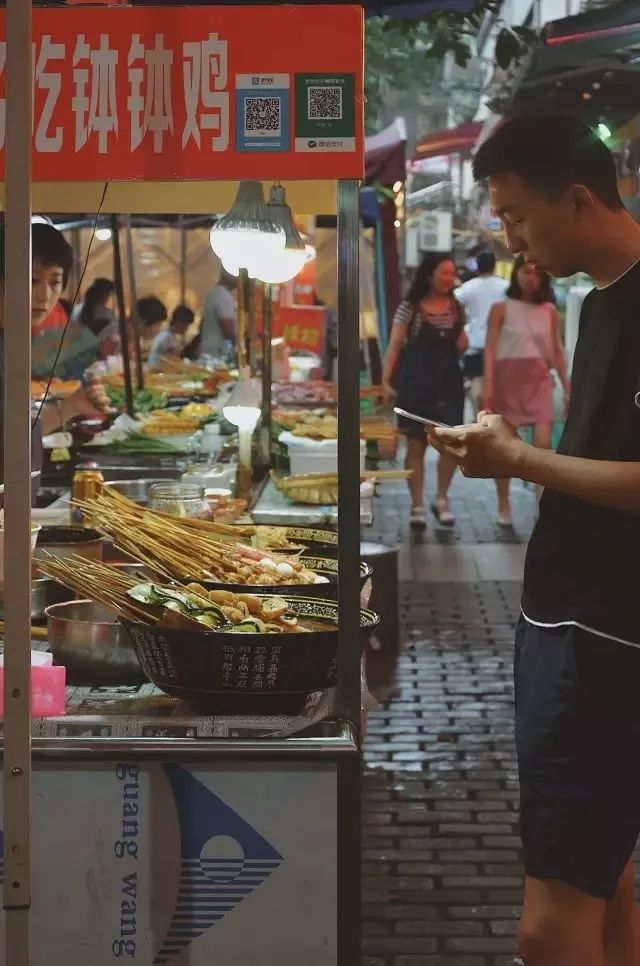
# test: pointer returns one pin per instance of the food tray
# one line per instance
(251, 673)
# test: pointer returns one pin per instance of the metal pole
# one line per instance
(251, 322)
(133, 297)
(122, 315)
(183, 262)
(267, 373)
(348, 696)
(17, 466)
(242, 334)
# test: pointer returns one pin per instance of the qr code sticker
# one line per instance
(262, 116)
(325, 103)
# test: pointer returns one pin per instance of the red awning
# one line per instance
(451, 141)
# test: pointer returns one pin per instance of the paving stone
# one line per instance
(441, 864)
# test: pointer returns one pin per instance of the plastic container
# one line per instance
(315, 456)
(47, 691)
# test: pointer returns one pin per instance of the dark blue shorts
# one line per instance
(578, 744)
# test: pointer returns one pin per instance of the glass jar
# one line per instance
(180, 500)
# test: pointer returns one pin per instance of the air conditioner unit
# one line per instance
(436, 231)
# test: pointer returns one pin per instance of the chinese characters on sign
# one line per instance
(170, 92)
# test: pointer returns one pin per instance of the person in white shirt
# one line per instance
(478, 296)
(168, 342)
(219, 317)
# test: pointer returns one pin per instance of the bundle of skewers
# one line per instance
(182, 548)
(94, 580)
(170, 606)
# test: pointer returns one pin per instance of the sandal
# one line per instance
(505, 521)
(444, 516)
(418, 518)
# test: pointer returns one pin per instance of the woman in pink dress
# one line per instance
(523, 346)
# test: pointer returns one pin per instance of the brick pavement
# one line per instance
(441, 867)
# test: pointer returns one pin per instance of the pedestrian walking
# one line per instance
(522, 350)
(427, 339)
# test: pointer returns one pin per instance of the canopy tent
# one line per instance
(587, 65)
(385, 163)
(456, 140)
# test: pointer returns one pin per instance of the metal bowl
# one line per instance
(326, 567)
(135, 490)
(87, 638)
(247, 673)
(69, 542)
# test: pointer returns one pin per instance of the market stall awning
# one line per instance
(455, 140)
(152, 197)
(385, 154)
(588, 65)
(401, 9)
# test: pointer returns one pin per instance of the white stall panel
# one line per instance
(221, 865)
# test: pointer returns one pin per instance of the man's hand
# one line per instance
(490, 449)
(88, 402)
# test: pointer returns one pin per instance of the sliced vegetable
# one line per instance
(246, 627)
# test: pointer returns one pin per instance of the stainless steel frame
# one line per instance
(349, 700)
(17, 442)
(342, 746)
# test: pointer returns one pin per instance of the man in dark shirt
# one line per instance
(577, 665)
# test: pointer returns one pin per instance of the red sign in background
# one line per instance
(153, 93)
(301, 326)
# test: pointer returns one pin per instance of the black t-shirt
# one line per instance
(583, 561)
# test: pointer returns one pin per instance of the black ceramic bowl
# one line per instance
(323, 543)
(326, 567)
(216, 671)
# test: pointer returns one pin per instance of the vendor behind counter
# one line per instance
(51, 263)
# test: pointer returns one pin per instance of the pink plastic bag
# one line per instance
(47, 691)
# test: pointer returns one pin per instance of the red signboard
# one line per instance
(301, 326)
(195, 93)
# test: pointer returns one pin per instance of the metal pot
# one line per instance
(69, 542)
(44, 593)
(87, 638)
(136, 490)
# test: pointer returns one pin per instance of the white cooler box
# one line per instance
(315, 456)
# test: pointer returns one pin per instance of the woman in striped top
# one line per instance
(428, 332)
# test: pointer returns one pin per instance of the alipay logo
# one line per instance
(224, 860)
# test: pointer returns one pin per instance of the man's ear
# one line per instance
(582, 199)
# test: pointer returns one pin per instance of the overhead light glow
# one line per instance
(103, 234)
(285, 264)
(246, 235)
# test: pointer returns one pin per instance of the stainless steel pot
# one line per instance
(87, 639)
(44, 593)
(136, 490)
(69, 542)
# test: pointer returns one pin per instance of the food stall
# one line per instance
(196, 836)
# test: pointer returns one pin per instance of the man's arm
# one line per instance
(492, 448)
(603, 483)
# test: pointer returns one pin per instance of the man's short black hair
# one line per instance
(550, 152)
(151, 310)
(182, 315)
(486, 262)
(48, 245)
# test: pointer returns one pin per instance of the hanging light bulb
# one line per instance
(246, 235)
(282, 266)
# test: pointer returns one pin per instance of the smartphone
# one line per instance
(420, 419)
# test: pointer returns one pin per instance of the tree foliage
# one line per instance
(408, 54)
